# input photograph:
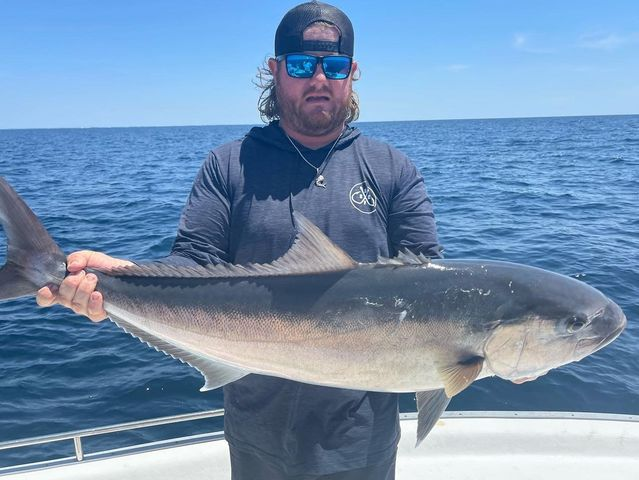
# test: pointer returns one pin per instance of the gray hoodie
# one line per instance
(239, 211)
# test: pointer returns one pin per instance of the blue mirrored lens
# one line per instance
(301, 66)
(336, 67)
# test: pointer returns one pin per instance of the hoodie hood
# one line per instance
(273, 135)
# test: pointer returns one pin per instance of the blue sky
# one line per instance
(68, 63)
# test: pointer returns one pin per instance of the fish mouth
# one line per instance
(617, 316)
(614, 334)
(592, 344)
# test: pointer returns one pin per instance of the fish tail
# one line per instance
(33, 258)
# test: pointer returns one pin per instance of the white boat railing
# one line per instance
(78, 435)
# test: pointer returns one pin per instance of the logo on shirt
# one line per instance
(363, 198)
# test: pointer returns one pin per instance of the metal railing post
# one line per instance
(79, 454)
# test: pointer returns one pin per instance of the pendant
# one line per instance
(320, 181)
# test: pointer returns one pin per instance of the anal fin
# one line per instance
(430, 406)
(215, 374)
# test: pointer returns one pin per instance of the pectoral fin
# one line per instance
(215, 374)
(430, 406)
(460, 375)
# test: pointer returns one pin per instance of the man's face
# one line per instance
(313, 106)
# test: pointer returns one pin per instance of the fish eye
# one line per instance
(576, 323)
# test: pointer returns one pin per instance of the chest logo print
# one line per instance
(363, 198)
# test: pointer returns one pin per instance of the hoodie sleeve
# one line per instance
(203, 232)
(411, 221)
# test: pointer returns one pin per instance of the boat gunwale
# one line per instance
(80, 457)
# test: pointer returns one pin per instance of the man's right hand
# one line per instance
(77, 291)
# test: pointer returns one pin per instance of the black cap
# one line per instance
(289, 34)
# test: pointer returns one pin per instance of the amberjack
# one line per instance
(407, 324)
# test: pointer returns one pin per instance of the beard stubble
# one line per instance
(316, 123)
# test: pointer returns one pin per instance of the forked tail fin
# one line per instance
(33, 258)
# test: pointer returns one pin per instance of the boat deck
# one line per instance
(463, 445)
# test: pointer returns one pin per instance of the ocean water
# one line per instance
(557, 193)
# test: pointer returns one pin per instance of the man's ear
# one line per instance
(272, 66)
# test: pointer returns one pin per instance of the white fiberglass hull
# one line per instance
(463, 445)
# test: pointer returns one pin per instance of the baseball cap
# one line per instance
(289, 34)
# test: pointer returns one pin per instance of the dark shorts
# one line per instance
(245, 466)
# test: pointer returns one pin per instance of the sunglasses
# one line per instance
(300, 65)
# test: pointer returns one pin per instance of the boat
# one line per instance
(463, 445)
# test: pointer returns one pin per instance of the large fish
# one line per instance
(315, 315)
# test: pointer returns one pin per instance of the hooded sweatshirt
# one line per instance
(239, 211)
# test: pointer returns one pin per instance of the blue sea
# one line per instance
(557, 193)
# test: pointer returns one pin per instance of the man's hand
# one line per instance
(77, 291)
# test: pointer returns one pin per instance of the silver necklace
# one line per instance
(320, 180)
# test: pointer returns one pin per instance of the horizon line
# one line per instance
(532, 117)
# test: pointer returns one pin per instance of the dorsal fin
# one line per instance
(409, 258)
(404, 257)
(311, 252)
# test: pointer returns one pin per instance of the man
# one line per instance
(365, 195)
